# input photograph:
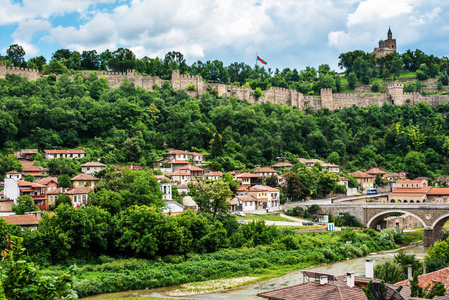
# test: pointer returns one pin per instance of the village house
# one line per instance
(331, 167)
(36, 171)
(25, 154)
(265, 172)
(50, 183)
(83, 180)
(321, 286)
(196, 158)
(79, 195)
(193, 171)
(92, 167)
(176, 165)
(248, 179)
(438, 195)
(273, 196)
(375, 171)
(427, 280)
(70, 154)
(282, 165)
(364, 181)
(180, 178)
(243, 203)
(14, 188)
(326, 166)
(131, 167)
(6, 207)
(30, 221)
(212, 175)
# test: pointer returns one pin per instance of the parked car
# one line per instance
(240, 214)
(307, 223)
(241, 222)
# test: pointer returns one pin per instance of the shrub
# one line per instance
(375, 87)
(191, 87)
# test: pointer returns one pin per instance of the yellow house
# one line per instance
(50, 197)
(83, 180)
(364, 181)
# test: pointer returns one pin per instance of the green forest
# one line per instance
(131, 124)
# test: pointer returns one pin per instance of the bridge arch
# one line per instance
(380, 216)
(439, 223)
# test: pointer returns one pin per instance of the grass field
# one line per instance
(257, 217)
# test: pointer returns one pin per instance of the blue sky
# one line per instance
(287, 33)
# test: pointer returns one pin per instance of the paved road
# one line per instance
(328, 200)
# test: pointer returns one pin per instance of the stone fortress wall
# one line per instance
(31, 74)
(275, 95)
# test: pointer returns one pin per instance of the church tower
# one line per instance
(386, 46)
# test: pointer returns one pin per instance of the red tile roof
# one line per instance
(79, 191)
(71, 151)
(438, 191)
(21, 219)
(428, 279)
(213, 174)
(407, 194)
(282, 164)
(179, 152)
(248, 175)
(315, 291)
(84, 177)
(6, 205)
(191, 168)
(22, 183)
(47, 180)
(93, 164)
(179, 162)
(412, 190)
(13, 172)
(265, 170)
(360, 174)
(375, 171)
(179, 173)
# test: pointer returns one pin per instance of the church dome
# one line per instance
(381, 41)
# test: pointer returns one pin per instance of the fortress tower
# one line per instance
(396, 92)
(386, 46)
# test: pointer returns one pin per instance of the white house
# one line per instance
(166, 189)
(70, 154)
(90, 168)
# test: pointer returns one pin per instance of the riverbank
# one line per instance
(249, 289)
(291, 252)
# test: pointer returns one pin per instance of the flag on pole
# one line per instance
(261, 60)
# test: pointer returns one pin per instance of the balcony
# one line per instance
(38, 197)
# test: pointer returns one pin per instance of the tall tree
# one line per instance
(15, 54)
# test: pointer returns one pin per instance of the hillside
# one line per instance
(131, 124)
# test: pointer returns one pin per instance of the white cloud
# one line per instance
(379, 10)
(27, 29)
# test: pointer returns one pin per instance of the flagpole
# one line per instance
(257, 64)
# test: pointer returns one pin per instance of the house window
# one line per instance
(51, 199)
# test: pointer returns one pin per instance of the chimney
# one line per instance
(369, 268)
(323, 279)
(410, 272)
(424, 269)
(350, 279)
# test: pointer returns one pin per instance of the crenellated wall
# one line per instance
(395, 91)
(31, 74)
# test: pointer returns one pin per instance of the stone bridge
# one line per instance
(432, 216)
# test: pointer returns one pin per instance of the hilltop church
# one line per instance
(386, 46)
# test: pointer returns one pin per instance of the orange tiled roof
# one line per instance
(248, 175)
(213, 174)
(71, 151)
(429, 279)
(375, 171)
(407, 194)
(22, 183)
(191, 168)
(360, 174)
(179, 173)
(80, 190)
(179, 162)
(438, 191)
(93, 164)
(21, 219)
(47, 180)
(84, 177)
(412, 190)
(265, 170)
